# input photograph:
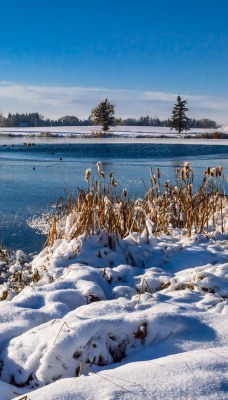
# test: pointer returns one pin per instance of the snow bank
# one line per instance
(198, 374)
(101, 333)
(76, 315)
(97, 304)
(86, 132)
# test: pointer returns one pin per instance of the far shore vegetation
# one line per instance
(37, 120)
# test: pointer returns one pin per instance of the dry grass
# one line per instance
(4, 255)
(163, 208)
(212, 135)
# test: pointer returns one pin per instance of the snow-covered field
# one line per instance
(119, 134)
(119, 131)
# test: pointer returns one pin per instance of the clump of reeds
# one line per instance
(163, 208)
(4, 254)
(211, 135)
(181, 206)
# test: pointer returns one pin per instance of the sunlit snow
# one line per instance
(142, 317)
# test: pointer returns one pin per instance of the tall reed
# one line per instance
(163, 208)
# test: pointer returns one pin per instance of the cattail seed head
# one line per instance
(219, 170)
(186, 165)
(87, 174)
(212, 171)
(99, 167)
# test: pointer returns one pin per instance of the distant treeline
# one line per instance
(37, 120)
(147, 121)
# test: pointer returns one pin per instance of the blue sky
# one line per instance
(63, 57)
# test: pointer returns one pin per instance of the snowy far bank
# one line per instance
(123, 134)
(122, 131)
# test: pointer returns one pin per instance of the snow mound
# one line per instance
(97, 302)
(101, 333)
(201, 374)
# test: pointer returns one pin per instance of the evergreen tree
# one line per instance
(179, 121)
(104, 115)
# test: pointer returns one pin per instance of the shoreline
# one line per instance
(6, 140)
(119, 134)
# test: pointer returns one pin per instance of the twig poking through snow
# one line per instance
(94, 373)
(64, 323)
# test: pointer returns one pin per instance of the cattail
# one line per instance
(99, 167)
(154, 179)
(125, 193)
(89, 196)
(87, 174)
(113, 182)
(219, 170)
(101, 173)
(212, 171)
(186, 165)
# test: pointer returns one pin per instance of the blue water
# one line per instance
(32, 178)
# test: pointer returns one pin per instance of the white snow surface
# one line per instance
(127, 131)
(119, 134)
(191, 375)
(142, 318)
(118, 131)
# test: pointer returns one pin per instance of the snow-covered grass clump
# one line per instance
(198, 374)
(121, 287)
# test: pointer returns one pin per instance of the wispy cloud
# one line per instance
(57, 101)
